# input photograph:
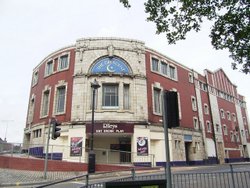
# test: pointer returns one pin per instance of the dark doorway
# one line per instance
(187, 151)
(125, 151)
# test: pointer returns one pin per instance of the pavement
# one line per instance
(10, 177)
(15, 178)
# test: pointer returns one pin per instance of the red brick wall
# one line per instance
(38, 165)
(234, 154)
(51, 81)
(183, 86)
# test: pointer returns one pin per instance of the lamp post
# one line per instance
(91, 166)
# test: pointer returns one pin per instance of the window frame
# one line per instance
(116, 96)
(177, 144)
(222, 114)
(174, 72)
(61, 84)
(206, 109)
(190, 77)
(193, 103)
(247, 134)
(59, 65)
(164, 68)
(31, 109)
(126, 96)
(196, 123)
(49, 71)
(209, 127)
(217, 128)
(157, 101)
(44, 111)
(155, 64)
(35, 77)
(228, 116)
(225, 129)
(232, 139)
(234, 117)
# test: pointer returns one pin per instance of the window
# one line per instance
(60, 99)
(209, 129)
(222, 113)
(228, 116)
(190, 78)
(110, 96)
(217, 128)
(155, 64)
(164, 68)
(237, 138)
(197, 146)
(196, 123)
(206, 110)
(172, 72)
(177, 144)
(234, 117)
(126, 105)
(247, 135)
(204, 87)
(244, 120)
(157, 100)
(232, 136)
(242, 133)
(37, 133)
(64, 62)
(31, 109)
(49, 68)
(35, 78)
(194, 106)
(225, 129)
(45, 103)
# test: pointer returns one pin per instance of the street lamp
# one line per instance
(91, 166)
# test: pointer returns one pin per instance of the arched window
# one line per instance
(114, 65)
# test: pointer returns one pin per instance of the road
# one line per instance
(176, 171)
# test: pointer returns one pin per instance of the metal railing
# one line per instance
(208, 180)
(76, 154)
(227, 179)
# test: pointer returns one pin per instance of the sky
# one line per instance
(30, 30)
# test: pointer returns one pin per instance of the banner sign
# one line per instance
(112, 128)
(142, 146)
(76, 146)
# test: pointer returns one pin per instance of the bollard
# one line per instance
(87, 180)
(133, 174)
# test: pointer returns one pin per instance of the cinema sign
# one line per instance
(112, 128)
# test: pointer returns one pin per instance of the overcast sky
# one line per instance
(30, 30)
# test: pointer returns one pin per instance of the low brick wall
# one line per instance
(19, 163)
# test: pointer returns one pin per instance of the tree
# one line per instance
(231, 23)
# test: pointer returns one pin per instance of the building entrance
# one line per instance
(187, 151)
(125, 150)
(112, 149)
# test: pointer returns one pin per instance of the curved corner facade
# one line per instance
(128, 110)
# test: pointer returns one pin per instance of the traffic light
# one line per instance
(55, 129)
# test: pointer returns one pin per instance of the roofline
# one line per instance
(53, 53)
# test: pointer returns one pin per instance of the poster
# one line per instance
(76, 146)
(142, 145)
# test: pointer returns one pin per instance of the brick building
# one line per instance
(128, 113)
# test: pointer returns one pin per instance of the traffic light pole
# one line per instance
(46, 156)
(165, 124)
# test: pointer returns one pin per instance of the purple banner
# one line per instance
(142, 145)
